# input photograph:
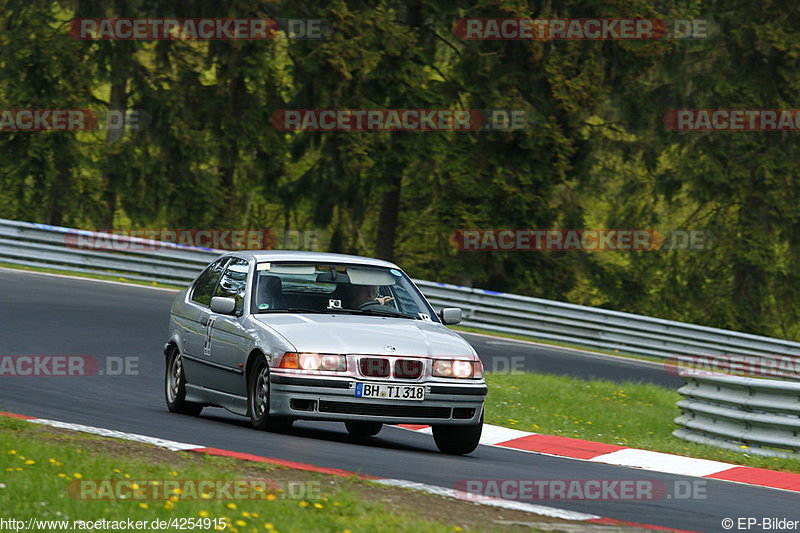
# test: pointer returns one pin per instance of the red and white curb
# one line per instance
(541, 510)
(631, 457)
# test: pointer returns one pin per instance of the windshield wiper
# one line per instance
(295, 310)
(379, 312)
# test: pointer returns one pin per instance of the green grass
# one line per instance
(109, 277)
(499, 334)
(628, 414)
(38, 464)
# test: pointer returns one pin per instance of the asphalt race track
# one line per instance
(45, 315)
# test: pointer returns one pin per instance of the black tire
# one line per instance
(458, 440)
(175, 386)
(363, 429)
(258, 400)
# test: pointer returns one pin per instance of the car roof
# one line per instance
(265, 256)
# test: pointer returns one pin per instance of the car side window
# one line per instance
(205, 284)
(234, 282)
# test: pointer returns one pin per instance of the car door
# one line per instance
(196, 322)
(229, 341)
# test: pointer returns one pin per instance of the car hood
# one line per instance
(365, 335)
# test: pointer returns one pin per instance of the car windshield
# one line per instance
(337, 288)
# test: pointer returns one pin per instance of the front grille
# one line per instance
(374, 367)
(400, 411)
(407, 368)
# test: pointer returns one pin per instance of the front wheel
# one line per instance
(258, 400)
(175, 386)
(363, 429)
(458, 440)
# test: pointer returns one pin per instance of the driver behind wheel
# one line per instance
(367, 294)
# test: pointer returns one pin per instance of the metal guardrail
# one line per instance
(758, 416)
(41, 245)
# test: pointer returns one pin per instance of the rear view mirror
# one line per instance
(222, 305)
(450, 315)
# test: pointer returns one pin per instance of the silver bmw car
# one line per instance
(280, 336)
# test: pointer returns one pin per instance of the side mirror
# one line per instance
(450, 315)
(222, 305)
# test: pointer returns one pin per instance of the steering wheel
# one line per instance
(372, 304)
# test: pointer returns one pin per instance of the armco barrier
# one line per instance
(41, 245)
(758, 416)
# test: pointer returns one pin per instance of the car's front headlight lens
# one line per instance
(456, 368)
(314, 361)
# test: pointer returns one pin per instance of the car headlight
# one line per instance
(456, 368)
(314, 362)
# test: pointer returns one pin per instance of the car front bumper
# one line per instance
(317, 398)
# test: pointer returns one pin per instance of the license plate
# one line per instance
(390, 392)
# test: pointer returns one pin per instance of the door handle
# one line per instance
(204, 320)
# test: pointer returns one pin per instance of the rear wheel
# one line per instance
(175, 386)
(363, 429)
(258, 400)
(458, 440)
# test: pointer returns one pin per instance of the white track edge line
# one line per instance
(541, 510)
(80, 278)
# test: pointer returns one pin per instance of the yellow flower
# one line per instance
(77, 475)
(457, 528)
(173, 473)
(177, 491)
(117, 470)
(62, 474)
(230, 505)
(240, 523)
(245, 514)
(303, 504)
(173, 498)
(168, 505)
(9, 469)
(126, 476)
(268, 525)
(270, 497)
(202, 514)
(144, 506)
(12, 452)
(318, 505)
(254, 515)
(134, 486)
